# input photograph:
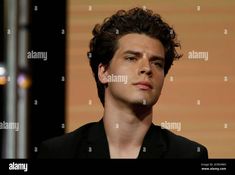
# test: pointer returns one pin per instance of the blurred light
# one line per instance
(3, 78)
(23, 81)
(2, 70)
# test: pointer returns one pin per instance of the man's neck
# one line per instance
(125, 128)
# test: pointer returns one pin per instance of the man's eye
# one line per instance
(130, 58)
(158, 64)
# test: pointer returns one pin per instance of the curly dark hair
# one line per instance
(137, 20)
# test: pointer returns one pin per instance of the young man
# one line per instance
(130, 54)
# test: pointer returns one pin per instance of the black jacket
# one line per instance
(90, 141)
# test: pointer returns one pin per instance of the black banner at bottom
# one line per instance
(174, 166)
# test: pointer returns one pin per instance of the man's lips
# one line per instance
(144, 85)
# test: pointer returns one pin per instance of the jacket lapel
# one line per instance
(153, 145)
(97, 142)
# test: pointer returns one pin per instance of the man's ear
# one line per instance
(103, 73)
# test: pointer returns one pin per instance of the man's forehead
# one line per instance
(140, 43)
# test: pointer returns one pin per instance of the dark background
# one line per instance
(1, 60)
(48, 89)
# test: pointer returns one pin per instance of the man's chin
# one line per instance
(143, 103)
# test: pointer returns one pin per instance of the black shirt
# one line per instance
(90, 141)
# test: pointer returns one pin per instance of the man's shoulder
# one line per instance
(181, 147)
(65, 146)
(79, 133)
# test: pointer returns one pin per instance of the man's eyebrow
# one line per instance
(153, 57)
(156, 57)
(133, 52)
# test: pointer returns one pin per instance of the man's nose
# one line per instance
(145, 67)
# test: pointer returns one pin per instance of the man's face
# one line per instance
(136, 72)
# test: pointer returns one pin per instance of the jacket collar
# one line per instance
(97, 140)
(153, 144)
